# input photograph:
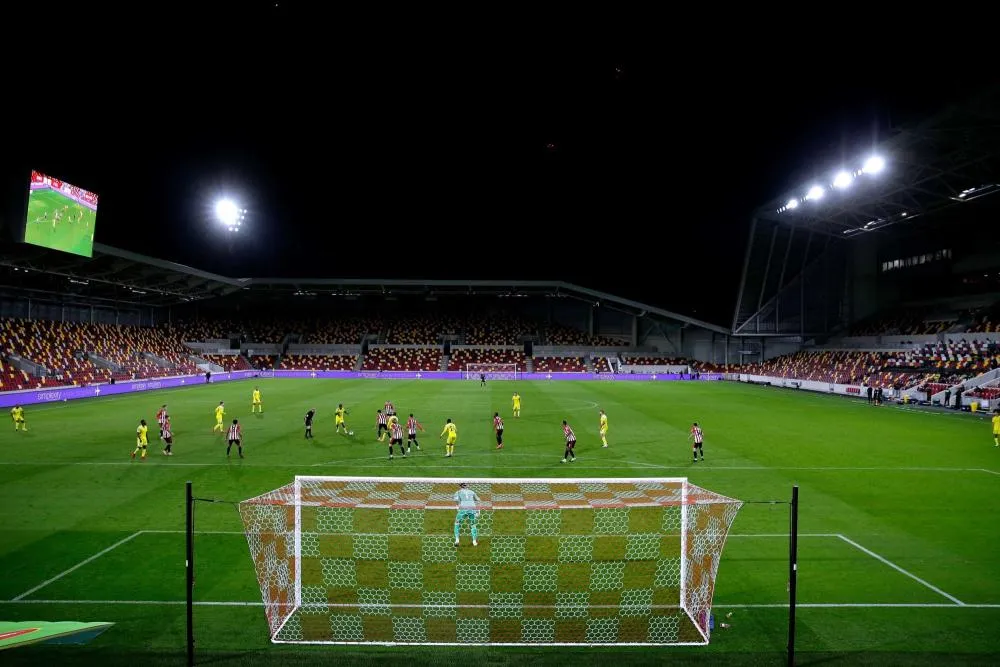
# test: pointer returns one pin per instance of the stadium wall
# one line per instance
(34, 396)
(864, 279)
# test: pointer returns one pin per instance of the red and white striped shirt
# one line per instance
(568, 432)
(498, 423)
(167, 433)
(235, 432)
(390, 409)
(697, 434)
(412, 425)
(397, 431)
(161, 416)
(382, 419)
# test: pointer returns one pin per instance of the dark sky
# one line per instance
(596, 161)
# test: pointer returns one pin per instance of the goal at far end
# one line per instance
(491, 371)
(349, 560)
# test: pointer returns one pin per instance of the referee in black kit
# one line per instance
(309, 423)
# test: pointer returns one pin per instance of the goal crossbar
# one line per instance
(584, 561)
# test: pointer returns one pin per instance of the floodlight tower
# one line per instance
(230, 214)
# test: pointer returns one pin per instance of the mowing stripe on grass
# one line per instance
(77, 566)
(901, 570)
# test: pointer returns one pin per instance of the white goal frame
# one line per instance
(293, 495)
(491, 371)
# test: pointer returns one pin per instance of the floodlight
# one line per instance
(227, 212)
(815, 192)
(842, 179)
(874, 165)
(792, 203)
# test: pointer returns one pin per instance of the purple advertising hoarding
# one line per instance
(53, 394)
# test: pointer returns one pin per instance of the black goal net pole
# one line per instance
(189, 566)
(793, 569)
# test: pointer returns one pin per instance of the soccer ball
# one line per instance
(350, 433)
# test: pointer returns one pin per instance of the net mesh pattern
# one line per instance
(345, 560)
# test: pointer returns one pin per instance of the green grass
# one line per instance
(71, 234)
(916, 489)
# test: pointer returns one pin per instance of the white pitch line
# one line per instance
(299, 466)
(77, 566)
(801, 605)
(901, 570)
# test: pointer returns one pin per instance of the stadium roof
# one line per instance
(119, 276)
(950, 159)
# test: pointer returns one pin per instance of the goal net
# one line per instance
(349, 560)
(491, 371)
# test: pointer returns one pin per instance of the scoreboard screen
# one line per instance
(60, 216)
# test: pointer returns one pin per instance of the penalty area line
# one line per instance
(77, 566)
(899, 569)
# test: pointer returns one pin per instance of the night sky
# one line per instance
(538, 158)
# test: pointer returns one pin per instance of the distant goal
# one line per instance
(491, 371)
(571, 562)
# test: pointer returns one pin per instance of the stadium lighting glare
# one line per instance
(227, 212)
(792, 203)
(843, 179)
(874, 165)
(815, 192)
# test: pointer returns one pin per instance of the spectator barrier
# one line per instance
(30, 397)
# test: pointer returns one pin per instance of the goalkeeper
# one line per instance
(468, 503)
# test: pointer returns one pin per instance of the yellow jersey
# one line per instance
(256, 396)
(141, 436)
(17, 414)
(452, 432)
(996, 424)
(517, 400)
(339, 414)
(604, 422)
(219, 413)
(392, 420)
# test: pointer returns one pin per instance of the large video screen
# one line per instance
(60, 216)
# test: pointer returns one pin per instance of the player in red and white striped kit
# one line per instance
(390, 409)
(235, 437)
(698, 438)
(167, 434)
(396, 438)
(498, 427)
(570, 443)
(412, 426)
(161, 417)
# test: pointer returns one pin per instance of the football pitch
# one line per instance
(72, 233)
(898, 549)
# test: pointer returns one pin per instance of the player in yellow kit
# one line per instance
(996, 427)
(256, 404)
(220, 413)
(17, 414)
(449, 444)
(516, 400)
(339, 420)
(604, 429)
(141, 439)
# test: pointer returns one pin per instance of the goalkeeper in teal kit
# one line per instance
(468, 508)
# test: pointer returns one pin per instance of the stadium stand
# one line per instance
(403, 359)
(315, 362)
(904, 322)
(489, 330)
(347, 331)
(559, 365)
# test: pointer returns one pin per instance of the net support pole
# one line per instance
(189, 567)
(793, 569)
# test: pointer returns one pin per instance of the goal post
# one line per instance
(491, 371)
(352, 560)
